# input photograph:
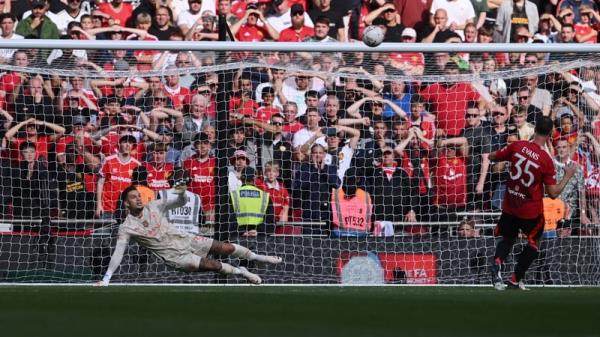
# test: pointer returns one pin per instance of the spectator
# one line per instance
(249, 30)
(196, 119)
(189, 17)
(312, 186)
(118, 11)
(298, 31)
(513, 14)
(466, 229)
(460, 13)
(145, 6)
(386, 17)
(201, 169)
(574, 194)
(31, 185)
(438, 30)
(392, 190)
(38, 25)
(239, 161)
(224, 8)
(449, 101)
(577, 7)
(336, 18)
(162, 26)
(413, 14)
(519, 118)
(409, 63)
(277, 191)
(158, 169)
(341, 156)
(281, 18)
(75, 201)
(584, 33)
(478, 137)
(450, 186)
(7, 26)
(73, 12)
(115, 176)
(291, 124)
(33, 100)
(321, 31)
(33, 134)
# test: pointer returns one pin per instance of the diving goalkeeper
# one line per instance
(148, 225)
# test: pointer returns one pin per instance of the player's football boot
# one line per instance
(251, 277)
(516, 285)
(496, 277)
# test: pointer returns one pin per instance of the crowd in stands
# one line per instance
(71, 144)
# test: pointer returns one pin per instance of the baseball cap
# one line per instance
(296, 9)
(251, 5)
(409, 32)
(277, 2)
(239, 154)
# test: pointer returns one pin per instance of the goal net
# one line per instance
(376, 163)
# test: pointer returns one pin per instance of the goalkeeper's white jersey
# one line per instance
(153, 230)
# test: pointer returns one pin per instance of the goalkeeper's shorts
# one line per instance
(189, 261)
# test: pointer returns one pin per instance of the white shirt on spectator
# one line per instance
(6, 54)
(258, 94)
(283, 21)
(292, 94)
(63, 18)
(459, 11)
(56, 53)
(303, 135)
(344, 158)
(188, 19)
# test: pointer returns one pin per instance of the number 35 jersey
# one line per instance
(530, 169)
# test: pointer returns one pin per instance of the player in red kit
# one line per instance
(531, 174)
(201, 170)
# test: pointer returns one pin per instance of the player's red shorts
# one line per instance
(508, 226)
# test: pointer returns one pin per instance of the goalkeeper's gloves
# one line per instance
(180, 187)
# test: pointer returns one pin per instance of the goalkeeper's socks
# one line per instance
(229, 269)
(245, 253)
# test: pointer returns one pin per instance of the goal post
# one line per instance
(375, 159)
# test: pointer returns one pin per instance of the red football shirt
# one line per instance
(530, 168)
(291, 35)
(202, 175)
(158, 179)
(279, 196)
(450, 182)
(449, 105)
(121, 16)
(117, 175)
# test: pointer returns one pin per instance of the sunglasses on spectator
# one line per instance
(498, 113)
(277, 123)
(472, 116)
(530, 61)
(523, 97)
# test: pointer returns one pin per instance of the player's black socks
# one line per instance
(503, 248)
(525, 259)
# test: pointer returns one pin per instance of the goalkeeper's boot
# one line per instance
(251, 277)
(497, 277)
(273, 259)
(516, 285)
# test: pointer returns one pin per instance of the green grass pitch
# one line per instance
(296, 311)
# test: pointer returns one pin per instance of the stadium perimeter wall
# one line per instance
(315, 260)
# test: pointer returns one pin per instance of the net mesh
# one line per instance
(407, 133)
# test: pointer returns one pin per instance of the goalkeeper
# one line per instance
(148, 225)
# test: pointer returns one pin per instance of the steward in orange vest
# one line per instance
(351, 209)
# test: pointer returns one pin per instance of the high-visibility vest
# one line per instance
(554, 211)
(352, 214)
(250, 205)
